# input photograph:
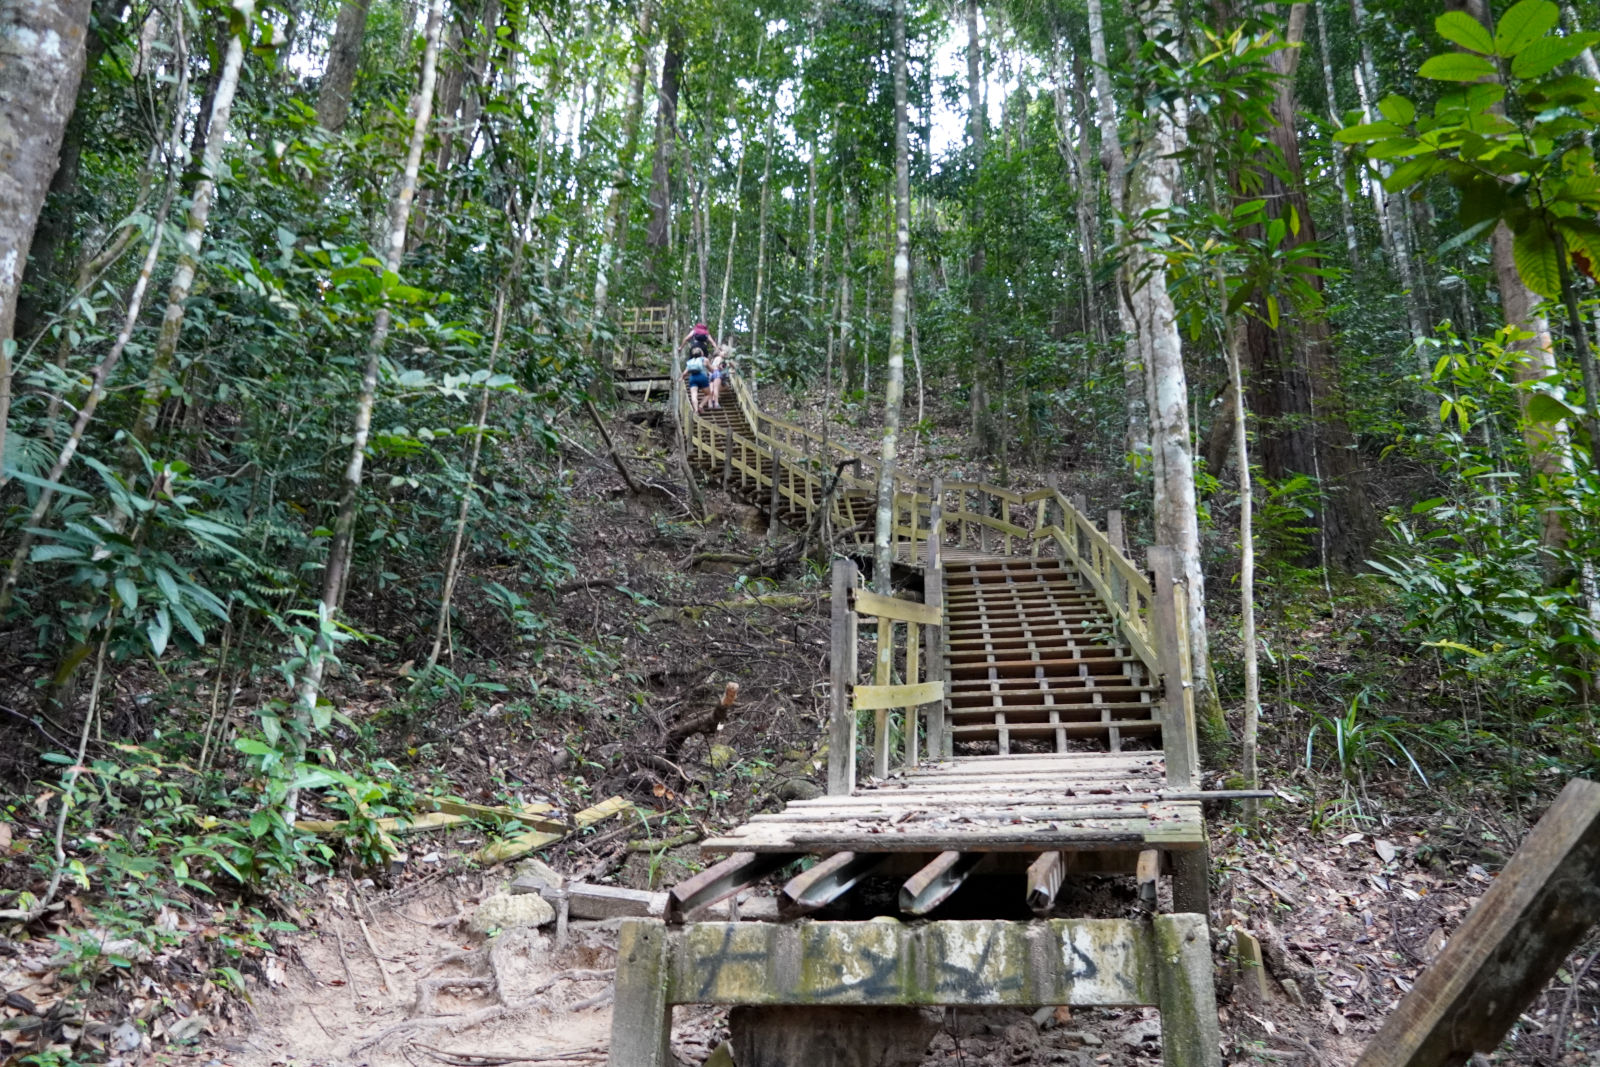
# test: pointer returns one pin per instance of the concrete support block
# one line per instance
(831, 1037)
(1190, 1036)
(641, 1020)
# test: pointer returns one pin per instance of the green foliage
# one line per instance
(1482, 584)
(1514, 142)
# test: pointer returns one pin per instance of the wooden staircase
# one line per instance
(1027, 722)
(750, 471)
(1034, 665)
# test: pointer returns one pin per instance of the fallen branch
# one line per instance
(646, 845)
(593, 1053)
(708, 722)
(611, 447)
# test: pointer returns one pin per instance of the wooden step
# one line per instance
(1014, 668)
(991, 731)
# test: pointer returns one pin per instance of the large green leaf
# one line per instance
(1410, 173)
(1372, 131)
(1535, 255)
(1525, 23)
(1457, 67)
(1397, 109)
(1466, 31)
(1542, 407)
(1548, 53)
(1395, 146)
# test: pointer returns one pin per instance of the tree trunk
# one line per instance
(1346, 208)
(1153, 184)
(894, 393)
(656, 236)
(982, 426)
(339, 551)
(811, 229)
(616, 208)
(203, 196)
(1294, 381)
(57, 220)
(1393, 203)
(42, 48)
(1247, 566)
(761, 250)
(344, 59)
(1548, 445)
(1137, 440)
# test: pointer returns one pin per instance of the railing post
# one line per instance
(983, 528)
(727, 458)
(842, 679)
(880, 718)
(772, 526)
(1114, 532)
(933, 636)
(1168, 609)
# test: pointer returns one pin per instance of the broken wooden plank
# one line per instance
(1146, 874)
(586, 901)
(1512, 941)
(723, 880)
(511, 848)
(1045, 876)
(937, 882)
(827, 881)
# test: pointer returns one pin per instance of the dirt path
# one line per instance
(375, 996)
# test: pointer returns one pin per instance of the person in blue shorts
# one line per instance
(697, 369)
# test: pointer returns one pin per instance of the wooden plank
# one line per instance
(1177, 702)
(880, 716)
(1105, 834)
(970, 731)
(937, 881)
(1516, 936)
(1045, 876)
(511, 848)
(1145, 875)
(842, 677)
(888, 607)
(827, 881)
(883, 697)
(722, 880)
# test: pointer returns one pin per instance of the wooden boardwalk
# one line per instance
(1020, 708)
(1025, 722)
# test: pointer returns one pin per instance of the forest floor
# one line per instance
(1352, 888)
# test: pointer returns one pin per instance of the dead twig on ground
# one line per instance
(501, 1059)
(1558, 1037)
(377, 960)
